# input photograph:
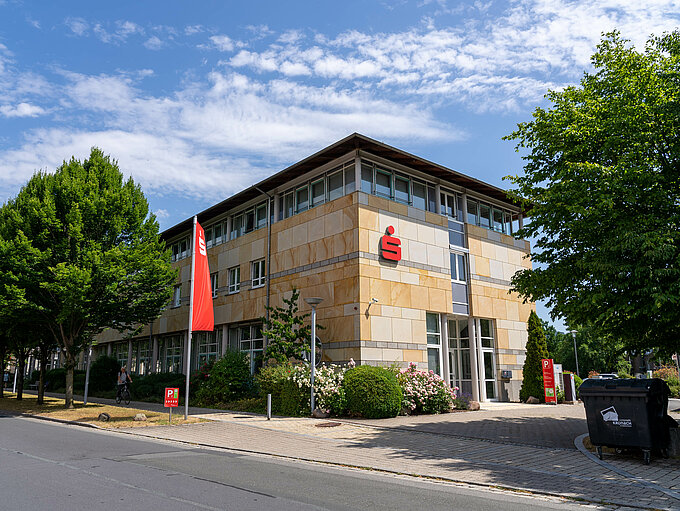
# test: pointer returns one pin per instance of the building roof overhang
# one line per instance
(342, 147)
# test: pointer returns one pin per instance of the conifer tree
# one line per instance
(537, 348)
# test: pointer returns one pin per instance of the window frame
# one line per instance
(261, 278)
(235, 286)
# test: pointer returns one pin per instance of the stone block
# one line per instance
(140, 417)
(413, 355)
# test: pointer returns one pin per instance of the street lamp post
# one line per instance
(573, 336)
(313, 302)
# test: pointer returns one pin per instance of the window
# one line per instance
(459, 287)
(143, 364)
(383, 183)
(335, 185)
(419, 195)
(172, 360)
(119, 351)
(177, 296)
(366, 178)
(459, 356)
(208, 237)
(261, 216)
(234, 279)
(302, 199)
(217, 234)
(236, 226)
(485, 216)
(456, 233)
(208, 347)
(350, 185)
(179, 249)
(431, 198)
(318, 192)
(249, 221)
(433, 343)
(258, 274)
(213, 283)
(497, 217)
(288, 204)
(472, 213)
(401, 189)
(447, 205)
(249, 339)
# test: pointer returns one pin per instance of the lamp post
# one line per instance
(313, 302)
(573, 336)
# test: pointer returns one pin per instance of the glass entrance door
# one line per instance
(487, 343)
(459, 355)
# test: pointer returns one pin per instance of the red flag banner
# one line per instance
(203, 318)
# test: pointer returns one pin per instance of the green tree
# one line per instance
(603, 354)
(288, 333)
(602, 182)
(82, 250)
(532, 372)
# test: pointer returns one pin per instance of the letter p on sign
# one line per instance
(171, 397)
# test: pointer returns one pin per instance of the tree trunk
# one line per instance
(41, 381)
(70, 365)
(20, 379)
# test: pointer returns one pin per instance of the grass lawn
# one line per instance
(120, 417)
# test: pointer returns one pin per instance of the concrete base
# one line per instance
(675, 442)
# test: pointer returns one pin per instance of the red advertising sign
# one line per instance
(171, 397)
(549, 380)
(203, 298)
(390, 246)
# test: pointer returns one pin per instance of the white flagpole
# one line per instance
(191, 318)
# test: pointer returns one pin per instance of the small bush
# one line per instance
(424, 391)
(462, 401)
(271, 380)
(103, 373)
(295, 399)
(372, 392)
(228, 380)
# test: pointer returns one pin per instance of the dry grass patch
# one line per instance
(120, 417)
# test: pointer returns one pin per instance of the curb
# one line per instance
(578, 442)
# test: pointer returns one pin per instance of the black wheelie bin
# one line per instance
(628, 414)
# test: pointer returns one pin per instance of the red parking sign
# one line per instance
(549, 380)
(171, 397)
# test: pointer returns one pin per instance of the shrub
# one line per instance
(295, 398)
(372, 392)
(670, 375)
(152, 387)
(537, 349)
(271, 380)
(228, 380)
(462, 401)
(55, 379)
(424, 391)
(103, 373)
(198, 378)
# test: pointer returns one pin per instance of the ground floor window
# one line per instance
(433, 343)
(119, 351)
(207, 346)
(249, 339)
(143, 362)
(460, 365)
(170, 354)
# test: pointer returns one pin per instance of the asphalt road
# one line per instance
(45, 465)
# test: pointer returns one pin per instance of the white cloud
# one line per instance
(122, 30)
(161, 214)
(21, 110)
(153, 43)
(77, 25)
(222, 42)
(193, 29)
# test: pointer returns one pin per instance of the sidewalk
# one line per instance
(437, 447)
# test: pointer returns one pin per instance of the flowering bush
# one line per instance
(289, 385)
(424, 391)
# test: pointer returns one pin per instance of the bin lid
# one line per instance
(620, 387)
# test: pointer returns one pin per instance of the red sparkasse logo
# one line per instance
(390, 246)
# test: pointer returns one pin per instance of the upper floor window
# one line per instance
(258, 274)
(330, 186)
(248, 220)
(180, 249)
(384, 182)
(213, 283)
(492, 217)
(234, 279)
(177, 295)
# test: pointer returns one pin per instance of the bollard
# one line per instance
(269, 407)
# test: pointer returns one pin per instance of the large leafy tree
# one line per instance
(82, 251)
(602, 178)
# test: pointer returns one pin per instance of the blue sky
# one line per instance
(199, 100)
